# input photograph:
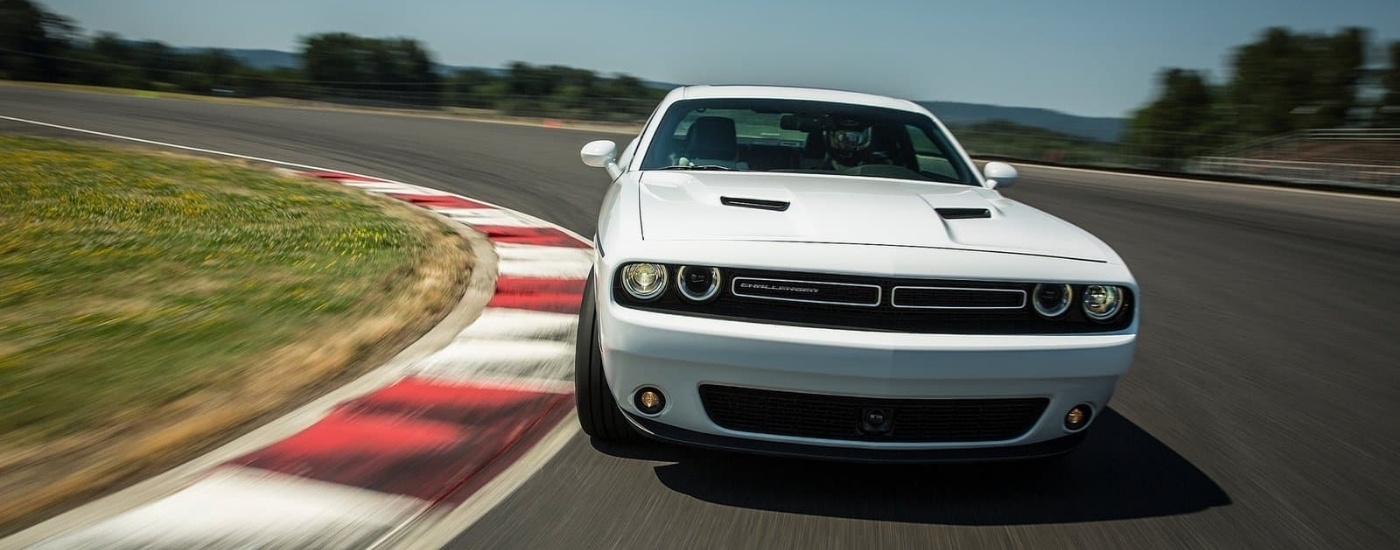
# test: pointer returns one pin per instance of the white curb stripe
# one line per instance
(488, 216)
(248, 508)
(468, 360)
(545, 269)
(510, 252)
(512, 382)
(396, 187)
(378, 187)
(499, 323)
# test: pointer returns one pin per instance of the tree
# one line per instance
(38, 45)
(1338, 71)
(397, 70)
(526, 80)
(1287, 81)
(470, 87)
(1390, 80)
(1179, 123)
(158, 62)
(212, 69)
(636, 99)
(107, 61)
(626, 86)
(33, 41)
(334, 59)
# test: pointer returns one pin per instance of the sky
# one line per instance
(1084, 57)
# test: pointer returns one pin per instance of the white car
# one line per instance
(826, 274)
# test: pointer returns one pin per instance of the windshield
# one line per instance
(775, 135)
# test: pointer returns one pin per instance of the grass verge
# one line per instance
(152, 304)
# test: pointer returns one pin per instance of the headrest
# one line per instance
(712, 137)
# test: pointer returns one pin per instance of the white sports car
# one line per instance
(818, 273)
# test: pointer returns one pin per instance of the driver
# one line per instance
(847, 143)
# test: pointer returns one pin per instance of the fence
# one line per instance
(1369, 176)
(1298, 139)
(1352, 157)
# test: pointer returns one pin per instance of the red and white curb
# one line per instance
(442, 429)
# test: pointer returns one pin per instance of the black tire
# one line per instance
(597, 410)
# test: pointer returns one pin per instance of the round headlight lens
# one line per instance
(698, 284)
(1052, 300)
(644, 281)
(1102, 302)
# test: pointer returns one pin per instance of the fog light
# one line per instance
(649, 400)
(1078, 417)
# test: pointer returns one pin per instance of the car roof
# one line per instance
(785, 92)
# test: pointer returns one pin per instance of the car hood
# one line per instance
(689, 206)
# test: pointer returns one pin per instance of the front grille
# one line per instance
(957, 298)
(840, 417)
(811, 292)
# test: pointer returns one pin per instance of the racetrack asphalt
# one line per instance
(1262, 410)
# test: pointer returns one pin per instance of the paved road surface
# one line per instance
(1263, 410)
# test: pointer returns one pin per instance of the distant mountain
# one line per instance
(258, 59)
(966, 114)
(269, 59)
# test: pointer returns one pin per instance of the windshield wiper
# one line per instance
(695, 167)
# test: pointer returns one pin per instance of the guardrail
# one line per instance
(1293, 139)
(1354, 134)
(1366, 176)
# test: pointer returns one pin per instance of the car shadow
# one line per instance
(1120, 472)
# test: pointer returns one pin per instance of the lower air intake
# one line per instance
(849, 418)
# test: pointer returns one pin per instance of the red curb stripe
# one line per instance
(475, 480)
(542, 236)
(417, 438)
(556, 295)
(341, 176)
(439, 201)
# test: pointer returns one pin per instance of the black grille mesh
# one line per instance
(839, 417)
(956, 298)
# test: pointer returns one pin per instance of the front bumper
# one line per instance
(678, 354)
(671, 434)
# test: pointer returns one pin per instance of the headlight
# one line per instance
(644, 281)
(1102, 302)
(1052, 300)
(698, 284)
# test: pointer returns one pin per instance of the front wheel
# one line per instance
(598, 413)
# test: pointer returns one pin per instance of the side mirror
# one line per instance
(601, 154)
(1000, 175)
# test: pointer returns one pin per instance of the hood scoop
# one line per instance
(963, 213)
(761, 204)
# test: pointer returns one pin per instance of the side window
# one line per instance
(931, 157)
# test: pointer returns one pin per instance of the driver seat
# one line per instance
(713, 140)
